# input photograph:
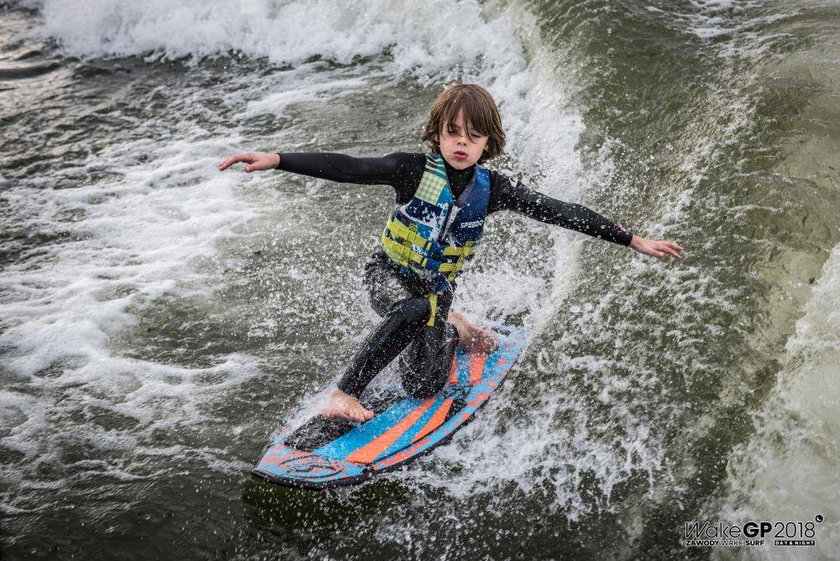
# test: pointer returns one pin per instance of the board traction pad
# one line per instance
(324, 453)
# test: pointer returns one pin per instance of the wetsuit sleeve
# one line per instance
(400, 170)
(536, 205)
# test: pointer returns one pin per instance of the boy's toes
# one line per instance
(360, 414)
(481, 341)
(489, 343)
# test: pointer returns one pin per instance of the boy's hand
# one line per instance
(256, 161)
(656, 248)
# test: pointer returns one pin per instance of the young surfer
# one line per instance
(442, 200)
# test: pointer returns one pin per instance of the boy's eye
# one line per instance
(473, 134)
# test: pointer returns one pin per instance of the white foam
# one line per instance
(136, 242)
(138, 234)
(418, 35)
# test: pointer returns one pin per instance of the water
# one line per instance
(159, 319)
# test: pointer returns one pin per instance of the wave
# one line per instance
(414, 34)
(797, 431)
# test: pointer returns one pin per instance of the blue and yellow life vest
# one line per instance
(433, 235)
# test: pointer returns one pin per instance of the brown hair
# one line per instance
(480, 114)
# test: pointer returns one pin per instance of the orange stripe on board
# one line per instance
(477, 363)
(400, 456)
(453, 371)
(367, 453)
(436, 420)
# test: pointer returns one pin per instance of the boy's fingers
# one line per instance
(660, 248)
(227, 163)
(675, 250)
(672, 249)
(235, 160)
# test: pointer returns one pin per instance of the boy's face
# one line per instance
(459, 147)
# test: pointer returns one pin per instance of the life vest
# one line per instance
(434, 235)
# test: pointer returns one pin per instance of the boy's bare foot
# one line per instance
(472, 337)
(344, 406)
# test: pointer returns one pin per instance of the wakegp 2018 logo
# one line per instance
(753, 533)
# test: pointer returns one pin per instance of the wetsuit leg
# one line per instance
(405, 308)
(405, 311)
(425, 364)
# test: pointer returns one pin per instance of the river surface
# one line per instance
(159, 319)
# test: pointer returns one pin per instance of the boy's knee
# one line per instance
(412, 309)
(425, 364)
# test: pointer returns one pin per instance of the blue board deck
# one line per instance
(324, 453)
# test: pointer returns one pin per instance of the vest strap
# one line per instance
(433, 302)
(463, 257)
(407, 233)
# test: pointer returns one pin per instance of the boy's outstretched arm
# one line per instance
(400, 170)
(536, 205)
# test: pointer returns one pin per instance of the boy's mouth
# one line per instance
(461, 155)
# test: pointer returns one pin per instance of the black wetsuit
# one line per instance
(403, 301)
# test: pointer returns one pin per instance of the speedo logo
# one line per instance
(472, 224)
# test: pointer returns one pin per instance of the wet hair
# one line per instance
(480, 115)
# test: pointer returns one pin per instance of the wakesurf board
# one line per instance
(316, 453)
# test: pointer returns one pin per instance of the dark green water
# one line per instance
(159, 320)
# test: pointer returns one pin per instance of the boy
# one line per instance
(442, 200)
